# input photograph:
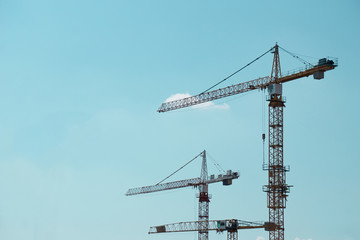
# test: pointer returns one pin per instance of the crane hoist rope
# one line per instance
(263, 136)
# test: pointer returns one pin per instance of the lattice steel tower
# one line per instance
(203, 201)
(277, 189)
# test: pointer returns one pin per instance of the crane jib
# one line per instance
(217, 225)
(216, 94)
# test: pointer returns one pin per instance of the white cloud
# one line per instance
(260, 238)
(205, 105)
(177, 96)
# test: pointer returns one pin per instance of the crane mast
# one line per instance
(277, 188)
(203, 201)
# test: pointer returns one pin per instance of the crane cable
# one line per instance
(217, 165)
(263, 125)
(180, 168)
(237, 71)
(297, 57)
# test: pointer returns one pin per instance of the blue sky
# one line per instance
(80, 83)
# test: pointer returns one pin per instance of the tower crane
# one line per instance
(202, 182)
(277, 190)
(231, 226)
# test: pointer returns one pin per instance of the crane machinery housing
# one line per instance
(202, 183)
(277, 189)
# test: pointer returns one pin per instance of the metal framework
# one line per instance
(202, 183)
(164, 186)
(231, 226)
(213, 225)
(192, 182)
(277, 189)
(203, 202)
(232, 235)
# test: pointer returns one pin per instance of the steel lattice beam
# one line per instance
(213, 225)
(164, 186)
(277, 188)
